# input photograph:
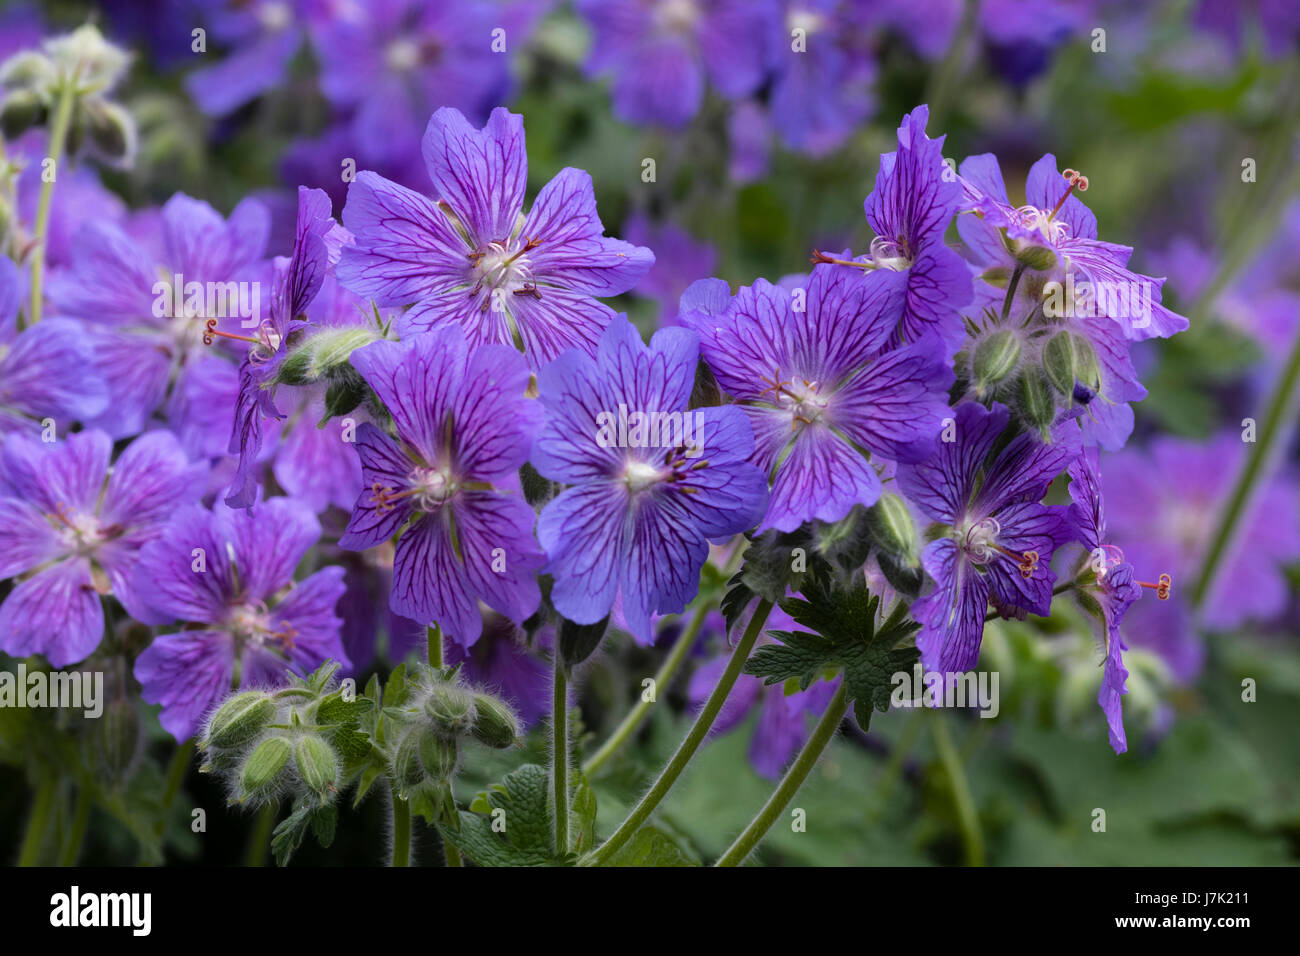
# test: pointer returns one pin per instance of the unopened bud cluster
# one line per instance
(438, 716)
(270, 745)
(81, 65)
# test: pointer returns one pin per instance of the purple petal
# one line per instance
(481, 174)
(56, 613)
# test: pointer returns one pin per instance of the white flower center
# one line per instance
(402, 55)
(275, 16)
(639, 475)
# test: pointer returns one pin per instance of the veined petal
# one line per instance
(55, 612)
(481, 174)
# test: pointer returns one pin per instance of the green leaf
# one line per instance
(846, 636)
(650, 846)
(584, 816)
(510, 823)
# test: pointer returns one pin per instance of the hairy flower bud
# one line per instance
(111, 129)
(239, 720)
(892, 526)
(1037, 403)
(262, 768)
(495, 722)
(1037, 258)
(996, 357)
(21, 110)
(451, 709)
(317, 764)
(439, 756)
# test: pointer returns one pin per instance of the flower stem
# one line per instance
(71, 850)
(667, 670)
(971, 835)
(452, 854)
(38, 822)
(1268, 442)
(58, 135)
(1011, 289)
(259, 838)
(433, 633)
(401, 831)
(691, 742)
(790, 783)
(560, 755)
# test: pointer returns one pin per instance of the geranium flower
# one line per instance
(470, 259)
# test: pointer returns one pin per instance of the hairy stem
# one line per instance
(38, 822)
(560, 755)
(259, 838)
(691, 742)
(1268, 442)
(71, 850)
(971, 834)
(667, 671)
(401, 831)
(790, 783)
(58, 135)
(433, 633)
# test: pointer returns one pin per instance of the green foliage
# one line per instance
(509, 824)
(845, 637)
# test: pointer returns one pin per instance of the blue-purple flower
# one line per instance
(662, 51)
(318, 240)
(915, 197)
(45, 372)
(147, 327)
(1057, 235)
(653, 481)
(999, 540)
(71, 528)
(1116, 588)
(819, 385)
(228, 576)
(463, 428)
(470, 259)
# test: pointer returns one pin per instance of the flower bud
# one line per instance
(892, 526)
(1037, 403)
(439, 756)
(408, 770)
(495, 723)
(450, 708)
(112, 129)
(21, 110)
(1037, 258)
(263, 767)
(240, 719)
(317, 764)
(116, 740)
(996, 357)
(1069, 358)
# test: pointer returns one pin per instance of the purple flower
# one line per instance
(74, 527)
(915, 198)
(679, 260)
(392, 62)
(1172, 492)
(652, 481)
(463, 426)
(228, 575)
(318, 240)
(1115, 590)
(263, 36)
(1056, 222)
(817, 388)
(999, 541)
(151, 353)
(45, 372)
(471, 260)
(823, 73)
(660, 52)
